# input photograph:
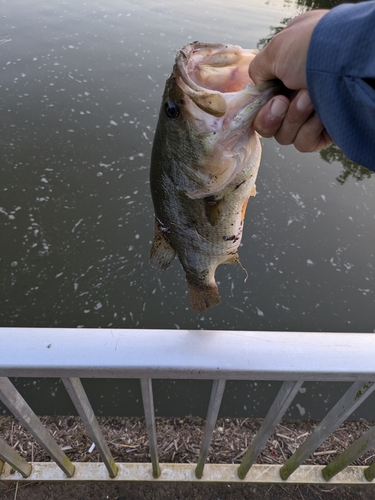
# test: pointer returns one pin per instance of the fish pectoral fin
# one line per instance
(212, 209)
(161, 254)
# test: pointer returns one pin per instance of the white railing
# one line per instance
(290, 357)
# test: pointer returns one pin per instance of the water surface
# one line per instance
(80, 91)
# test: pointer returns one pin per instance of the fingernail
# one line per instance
(278, 108)
(303, 101)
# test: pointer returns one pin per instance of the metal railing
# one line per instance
(290, 357)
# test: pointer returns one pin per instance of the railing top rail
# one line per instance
(193, 354)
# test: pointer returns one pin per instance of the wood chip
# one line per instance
(320, 453)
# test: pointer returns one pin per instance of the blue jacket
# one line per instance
(341, 78)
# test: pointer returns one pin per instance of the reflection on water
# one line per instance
(80, 91)
(350, 169)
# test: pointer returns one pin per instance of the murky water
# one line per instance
(80, 89)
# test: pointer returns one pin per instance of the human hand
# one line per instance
(291, 119)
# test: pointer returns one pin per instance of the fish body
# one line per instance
(204, 163)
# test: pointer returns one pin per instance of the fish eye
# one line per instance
(171, 109)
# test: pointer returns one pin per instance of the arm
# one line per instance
(341, 78)
(316, 52)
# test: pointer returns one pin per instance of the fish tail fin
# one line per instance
(161, 254)
(203, 297)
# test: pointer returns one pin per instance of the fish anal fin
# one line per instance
(233, 260)
(161, 254)
(236, 260)
(203, 297)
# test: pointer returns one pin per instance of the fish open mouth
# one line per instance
(213, 75)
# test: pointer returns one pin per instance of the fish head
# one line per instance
(209, 104)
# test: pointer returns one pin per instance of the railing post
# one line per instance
(9, 455)
(148, 405)
(213, 410)
(18, 406)
(358, 448)
(279, 406)
(353, 397)
(78, 395)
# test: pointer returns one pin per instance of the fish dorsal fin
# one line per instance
(161, 254)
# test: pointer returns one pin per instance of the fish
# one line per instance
(204, 163)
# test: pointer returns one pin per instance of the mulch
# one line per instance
(179, 441)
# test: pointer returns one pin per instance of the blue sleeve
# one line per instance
(340, 75)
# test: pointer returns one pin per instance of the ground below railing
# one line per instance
(179, 441)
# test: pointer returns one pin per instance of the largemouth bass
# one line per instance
(204, 163)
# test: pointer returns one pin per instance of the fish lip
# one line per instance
(193, 90)
(183, 57)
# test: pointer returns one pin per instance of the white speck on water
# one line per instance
(301, 409)
(323, 197)
(310, 262)
(137, 236)
(297, 199)
(98, 306)
(112, 122)
(259, 312)
(76, 225)
(58, 275)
